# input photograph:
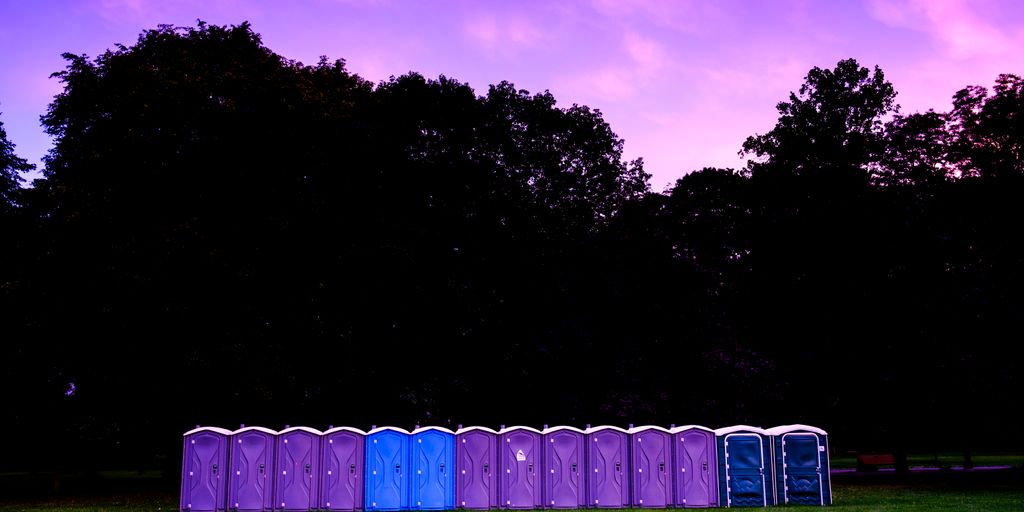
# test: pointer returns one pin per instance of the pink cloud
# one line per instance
(151, 12)
(611, 84)
(641, 60)
(956, 23)
(647, 54)
(503, 35)
(688, 16)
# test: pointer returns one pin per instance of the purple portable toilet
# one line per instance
(564, 462)
(296, 485)
(695, 467)
(341, 468)
(204, 483)
(652, 471)
(250, 481)
(521, 462)
(608, 467)
(476, 463)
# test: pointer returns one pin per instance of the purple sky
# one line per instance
(684, 82)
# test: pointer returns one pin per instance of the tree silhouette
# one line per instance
(11, 168)
(833, 125)
(223, 235)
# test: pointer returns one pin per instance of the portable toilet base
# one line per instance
(204, 480)
(521, 462)
(801, 465)
(745, 467)
(695, 456)
(608, 467)
(433, 469)
(476, 460)
(387, 469)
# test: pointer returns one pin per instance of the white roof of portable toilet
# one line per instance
(736, 428)
(396, 429)
(440, 429)
(519, 427)
(783, 429)
(304, 429)
(260, 429)
(208, 429)
(606, 427)
(470, 429)
(676, 430)
(642, 428)
(562, 427)
(345, 429)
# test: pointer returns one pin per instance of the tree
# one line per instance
(834, 123)
(11, 168)
(988, 131)
(916, 154)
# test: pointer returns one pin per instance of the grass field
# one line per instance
(993, 491)
(941, 460)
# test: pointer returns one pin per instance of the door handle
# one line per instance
(529, 467)
(214, 469)
(618, 467)
(398, 468)
(661, 467)
(262, 468)
(442, 468)
(307, 467)
(704, 466)
(352, 469)
(487, 468)
(573, 467)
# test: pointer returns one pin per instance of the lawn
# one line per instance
(931, 491)
(941, 460)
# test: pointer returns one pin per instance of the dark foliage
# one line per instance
(225, 236)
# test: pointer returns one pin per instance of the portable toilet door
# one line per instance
(651, 467)
(521, 462)
(204, 462)
(250, 475)
(744, 462)
(564, 462)
(296, 485)
(433, 469)
(801, 465)
(387, 462)
(695, 467)
(341, 468)
(476, 464)
(608, 467)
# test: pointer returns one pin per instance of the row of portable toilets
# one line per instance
(433, 468)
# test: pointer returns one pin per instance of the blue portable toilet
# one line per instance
(476, 464)
(251, 471)
(521, 459)
(204, 463)
(801, 465)
(651, 466)
(297, 470)
(342, 465)
(608, 467)
(745, 467)
(433, 469)
(694, 453)
(387, 464)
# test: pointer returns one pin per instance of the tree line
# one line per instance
(223, 235)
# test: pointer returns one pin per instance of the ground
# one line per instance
(949, 490)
